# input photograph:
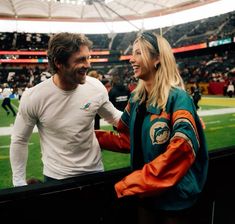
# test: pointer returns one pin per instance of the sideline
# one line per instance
(8, 130)
(202, 113)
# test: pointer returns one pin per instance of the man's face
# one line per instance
(74, 71)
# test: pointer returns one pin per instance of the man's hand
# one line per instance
(33, 181)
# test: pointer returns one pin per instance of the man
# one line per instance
(63, 108)
(119, 94)
(196, 94)
(6, 103)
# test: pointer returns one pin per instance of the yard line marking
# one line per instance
(14, 106)
(4, 131)
(213, 122)
(4, 146)
(216, 112)
(220, 127)
(216, 128)
(8, 146)
(4, 157)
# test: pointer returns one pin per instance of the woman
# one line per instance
(161, 127)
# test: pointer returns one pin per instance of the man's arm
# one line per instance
(22, 131)
(19, 151)
(115, 141)
(110, 113)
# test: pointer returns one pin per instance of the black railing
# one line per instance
(91, 198)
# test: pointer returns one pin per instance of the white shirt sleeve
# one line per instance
(6, 93)
(108, 111)
(22, 131)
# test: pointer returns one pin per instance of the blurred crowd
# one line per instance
(209, 66)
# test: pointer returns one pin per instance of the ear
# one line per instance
(156, 63)
(58, 65)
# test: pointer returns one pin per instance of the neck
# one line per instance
(148, 86)
(62, 84)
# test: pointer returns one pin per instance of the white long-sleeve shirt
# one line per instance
(6, 93)
(65, 122)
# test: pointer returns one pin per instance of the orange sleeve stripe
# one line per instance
(184, 114)
(162, 115)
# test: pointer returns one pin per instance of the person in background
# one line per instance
(6, 103)
(196, 95)
(119, 94)
(63, 108)
(161, 129)
(230, 89)
(20, 91)
(96, 75)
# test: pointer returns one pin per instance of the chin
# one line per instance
(82, 81)
(137, 75)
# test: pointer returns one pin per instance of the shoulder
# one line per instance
(132, 102)
(94, 83)
(131, 98)
(178, 93)
(37, 91)
(179, 99)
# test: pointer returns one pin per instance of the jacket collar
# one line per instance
(154, 110)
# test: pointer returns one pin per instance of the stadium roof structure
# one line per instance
(93, 10)
(106, 12)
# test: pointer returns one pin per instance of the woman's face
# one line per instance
(140, 70)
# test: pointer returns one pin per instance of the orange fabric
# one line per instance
(113, 141)
(121, 127)
(162, 115)
(185, 114)
(202, 123)
(161, 173)
(128, 107)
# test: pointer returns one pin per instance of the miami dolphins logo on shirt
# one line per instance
(86, 106)
(159, 133)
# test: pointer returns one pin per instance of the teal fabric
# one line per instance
(154, 143)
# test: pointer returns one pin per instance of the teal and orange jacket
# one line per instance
(174, 149)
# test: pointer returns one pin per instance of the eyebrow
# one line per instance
(82, 58)
(137, 51)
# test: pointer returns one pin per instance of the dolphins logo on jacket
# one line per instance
(159, 133)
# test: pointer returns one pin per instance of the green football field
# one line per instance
(220, 132)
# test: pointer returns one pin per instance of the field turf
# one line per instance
(220, 132)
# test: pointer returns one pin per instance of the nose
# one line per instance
(87, 63)
(132, 60)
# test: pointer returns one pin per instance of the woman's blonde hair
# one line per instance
(167, 74)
